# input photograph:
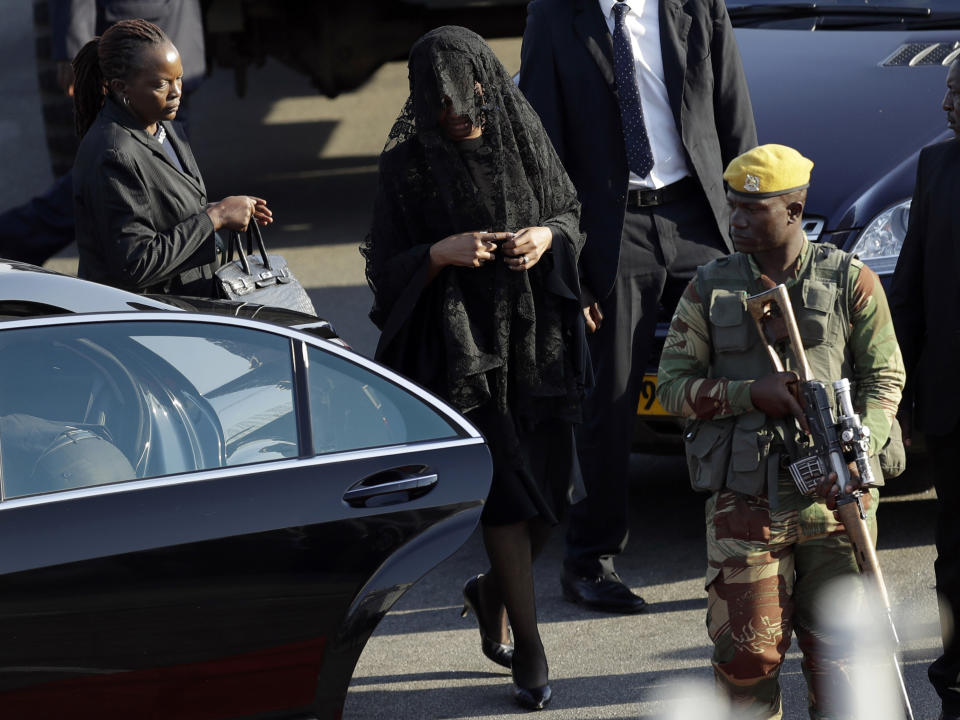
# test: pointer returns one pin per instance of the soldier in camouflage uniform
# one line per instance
(770, 549)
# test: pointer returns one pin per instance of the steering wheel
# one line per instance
(116, 402)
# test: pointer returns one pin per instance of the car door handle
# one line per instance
(414, 481)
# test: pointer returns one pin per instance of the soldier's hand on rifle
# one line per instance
(776, 396)
(830, 489)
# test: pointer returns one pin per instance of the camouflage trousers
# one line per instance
(766, 570)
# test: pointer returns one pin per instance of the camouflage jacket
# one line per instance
(686, 385)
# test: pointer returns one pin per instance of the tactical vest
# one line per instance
(746, 453)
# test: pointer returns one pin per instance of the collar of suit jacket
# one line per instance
(113, 112)
(637, 6)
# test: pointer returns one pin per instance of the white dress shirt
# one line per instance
(643, 26)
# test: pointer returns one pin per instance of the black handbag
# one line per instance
(260, 278)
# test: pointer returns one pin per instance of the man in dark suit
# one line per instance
(924, 301)
(646, 103)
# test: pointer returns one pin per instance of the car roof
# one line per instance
(27, 290)
(30, 290)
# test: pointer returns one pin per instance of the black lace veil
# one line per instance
(476, 335)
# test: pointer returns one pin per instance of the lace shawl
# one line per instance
(476, 335)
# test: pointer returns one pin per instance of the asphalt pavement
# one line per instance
(314, 160)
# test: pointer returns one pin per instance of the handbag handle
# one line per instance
(253, 230)
(234, 242)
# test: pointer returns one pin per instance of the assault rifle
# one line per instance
(836, 442)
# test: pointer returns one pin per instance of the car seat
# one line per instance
(40, 456)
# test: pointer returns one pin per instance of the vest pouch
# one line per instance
(750, 447)
(813, 317)
(728, 321)
(707, 446)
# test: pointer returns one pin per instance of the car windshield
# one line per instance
(845, 14)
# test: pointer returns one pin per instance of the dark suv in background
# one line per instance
(856, 87)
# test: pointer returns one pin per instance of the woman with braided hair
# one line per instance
(143, 222)
(472, 259)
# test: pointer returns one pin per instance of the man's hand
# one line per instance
(65, 77)
(591, 310)
(775, 395)
(905, 417)
(830, 488)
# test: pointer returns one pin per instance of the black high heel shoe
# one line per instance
(497, 652)
(530, 698)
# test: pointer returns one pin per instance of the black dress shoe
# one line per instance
(604, 592)
(497, 652)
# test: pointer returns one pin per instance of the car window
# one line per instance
(352, 408)
(243, 382)
(100, 403)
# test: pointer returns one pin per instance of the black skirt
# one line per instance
(541, 482)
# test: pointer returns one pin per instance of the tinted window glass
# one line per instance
(94, 404)
(352, 408)
(238, 391)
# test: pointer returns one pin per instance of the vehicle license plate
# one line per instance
(649, 405)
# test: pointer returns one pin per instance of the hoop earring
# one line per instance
(126, 101)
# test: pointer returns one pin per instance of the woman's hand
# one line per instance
(261, 213)
(469, 249)
(234, 212)
(527, 247)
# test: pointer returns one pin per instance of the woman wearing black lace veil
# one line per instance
(472, 258)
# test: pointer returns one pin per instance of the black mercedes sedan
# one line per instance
(205, 514)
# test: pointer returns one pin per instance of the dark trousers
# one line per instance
(944, 673)
(41, 227)
(660, 249)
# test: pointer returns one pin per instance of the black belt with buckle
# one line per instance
(662, 196)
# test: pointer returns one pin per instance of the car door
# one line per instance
(206, 518)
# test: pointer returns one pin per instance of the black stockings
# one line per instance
(512, 550)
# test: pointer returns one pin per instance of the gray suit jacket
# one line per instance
(140, 222)
(567, 74)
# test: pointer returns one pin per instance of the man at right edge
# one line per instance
(924, 301)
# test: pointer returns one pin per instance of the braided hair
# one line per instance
(114, 55)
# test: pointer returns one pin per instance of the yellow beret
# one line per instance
(768, 170)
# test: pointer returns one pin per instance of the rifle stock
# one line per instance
(766, 309)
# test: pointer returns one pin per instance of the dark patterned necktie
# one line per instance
(639, 155)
